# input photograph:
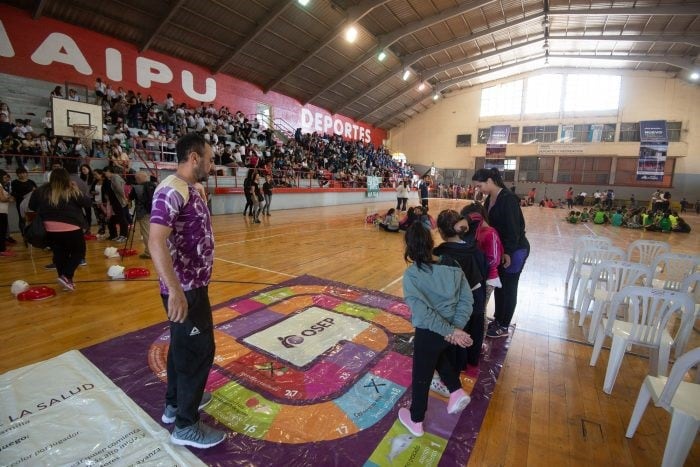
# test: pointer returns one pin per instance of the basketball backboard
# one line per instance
(67, 113)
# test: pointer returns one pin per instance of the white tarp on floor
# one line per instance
(64, 411)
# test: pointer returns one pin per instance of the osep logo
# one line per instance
(293, 340)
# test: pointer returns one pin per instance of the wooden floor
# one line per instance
(548, 408)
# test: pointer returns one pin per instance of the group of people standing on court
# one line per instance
(447, 289)
(257, 198)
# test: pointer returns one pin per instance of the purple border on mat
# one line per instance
(125, 361)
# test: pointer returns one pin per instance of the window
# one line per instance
(464, 141)
(626, 174)
(536, 169)
(590, 133)
(582, 134)
(514, 134)
(673, 130)
(592, 92)
(543, 94)
(503, 99)
(540, 134)
(584, 170)
(608, 135)
(629, 132)
(509, 170)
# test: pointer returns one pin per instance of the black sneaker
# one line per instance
(497, 331)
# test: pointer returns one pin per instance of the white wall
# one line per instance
(228, 204)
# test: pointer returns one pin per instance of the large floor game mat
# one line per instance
(310, 372)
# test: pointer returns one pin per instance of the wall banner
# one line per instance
(56, 52)
(373, 186)
(496, 147)
(653, 149)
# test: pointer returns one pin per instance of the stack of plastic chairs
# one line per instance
(589, 257)
(671, 269)
(580, 244)
(646, 251)
(608, 278)
(646, 312)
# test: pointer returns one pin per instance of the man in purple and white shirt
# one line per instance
(182, 248)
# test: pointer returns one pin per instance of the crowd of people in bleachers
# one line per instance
(138, 127)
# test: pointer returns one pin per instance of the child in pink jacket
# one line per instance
(488, 242)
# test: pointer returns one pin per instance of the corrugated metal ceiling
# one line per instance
(301, 51)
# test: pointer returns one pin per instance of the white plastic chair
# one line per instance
(607, 278)
(645, 251)
(681, 399)
(590, 257)
(581, 243)
(671, 269)
(691, 284)
(647, 313)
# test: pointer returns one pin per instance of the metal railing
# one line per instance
(159, 159)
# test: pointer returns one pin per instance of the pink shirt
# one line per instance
(55, 226)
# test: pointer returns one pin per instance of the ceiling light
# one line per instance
(381, 56)
(436, 96)
(351, 34)
(303, 2)
(545, 46)
(694, 75)
(545, 22)
(406, 74)
(421, 87)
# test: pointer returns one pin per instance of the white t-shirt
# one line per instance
(97, 197)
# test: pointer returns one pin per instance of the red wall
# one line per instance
(22, 41)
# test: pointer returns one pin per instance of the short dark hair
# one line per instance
(191, 142)
(21, 170)
(446, 221)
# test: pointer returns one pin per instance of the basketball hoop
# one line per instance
(84, 133)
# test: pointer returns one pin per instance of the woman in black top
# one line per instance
(60, 204)
(247, 191)
(504, 215)
(267, 193)
(20, 188)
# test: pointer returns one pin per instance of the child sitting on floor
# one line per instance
(585, 217)
(574, 217)
(390, 223)
(600, 217)
(616, 219)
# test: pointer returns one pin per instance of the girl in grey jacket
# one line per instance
(441, 303)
